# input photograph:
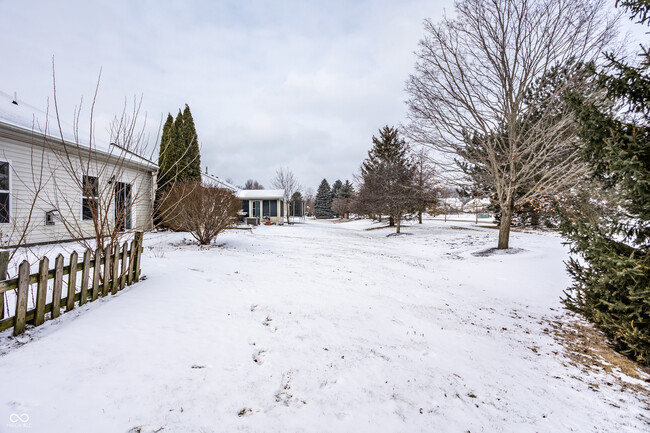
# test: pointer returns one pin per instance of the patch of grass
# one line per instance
(589, 349)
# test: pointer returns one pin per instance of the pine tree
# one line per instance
(192, 158)
(612, 278)
(336, 194)
(388, 176)
(164, 155)
(323, 203)
(347, 190)
(178, 150)
(336, 188)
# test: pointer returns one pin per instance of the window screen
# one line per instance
(274, 208)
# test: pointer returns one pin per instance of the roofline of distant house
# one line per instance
(21, 132)
(223, 183)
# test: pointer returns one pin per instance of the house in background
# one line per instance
(54, 188)
(264, 204)
(212, 180)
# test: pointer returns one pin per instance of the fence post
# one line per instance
(125, 249)
(131, 262)
(98, 263)
(138, 254)
(4, 263)
(116, 268)
(83, 296)
(21, 299)
(58, 284)
(41, 291)
(107, 270)
(72, 281)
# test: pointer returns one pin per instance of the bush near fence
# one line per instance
(121, 268)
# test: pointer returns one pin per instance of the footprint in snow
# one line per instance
(267, 323)
(259, 356)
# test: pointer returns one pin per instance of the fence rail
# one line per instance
(115, 277)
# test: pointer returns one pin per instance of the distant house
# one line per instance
(52, 188)
(211, 180)
(265, 204)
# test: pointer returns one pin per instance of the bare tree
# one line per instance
(464, 197)
(253, 184)
(424, 181)
(114, 182)
(286, 181)
(203, 211)
(309, 198)
(470, 87)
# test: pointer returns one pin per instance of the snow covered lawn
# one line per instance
(322, 327)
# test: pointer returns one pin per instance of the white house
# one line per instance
(265, 204)
(53, 187)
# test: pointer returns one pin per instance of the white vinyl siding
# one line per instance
(58, 191)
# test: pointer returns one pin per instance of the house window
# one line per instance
(4, 192)
(123, 205)
(281, 208)
(269, 208)
(90, 197)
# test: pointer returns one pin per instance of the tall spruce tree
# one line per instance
(336, 188)
(388, 177)
(192, 158)
(336, 193)
(165, 158)
(323, 202)
(347, 190)
(178, 149)
(612, 279)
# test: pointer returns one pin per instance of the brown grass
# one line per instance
(589, 349)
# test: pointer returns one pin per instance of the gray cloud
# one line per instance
(298, 84)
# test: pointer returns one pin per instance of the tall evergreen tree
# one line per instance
(336, 188)
(178, 150)
(612, 278)
(165, 158)
(388, 177)
(336, 193)
(323, 202)
(347, 190)
(192, 158)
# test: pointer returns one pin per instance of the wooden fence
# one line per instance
(121, 268)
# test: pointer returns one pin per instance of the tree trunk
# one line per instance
(399, 220)
(420, 217)
(391, 222)
(504, 227)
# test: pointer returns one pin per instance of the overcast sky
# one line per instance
(297, 84)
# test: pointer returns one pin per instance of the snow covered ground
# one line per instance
(324, 327)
